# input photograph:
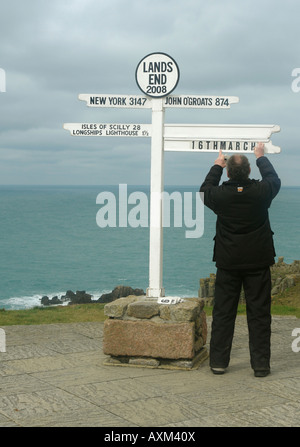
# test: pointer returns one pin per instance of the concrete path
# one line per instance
(53, 376)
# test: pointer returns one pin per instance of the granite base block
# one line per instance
(141, 332)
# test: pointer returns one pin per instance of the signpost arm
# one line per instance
(155, 288)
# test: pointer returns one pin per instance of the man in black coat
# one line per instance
(243, 252)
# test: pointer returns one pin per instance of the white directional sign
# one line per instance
(108, 130)
(120, 101)
(157, 75)
(220, 131)
(233, 146)
(210, 138)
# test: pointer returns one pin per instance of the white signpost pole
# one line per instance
(155, 288)
(157, 76)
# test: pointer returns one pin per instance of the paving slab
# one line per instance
(55, 375)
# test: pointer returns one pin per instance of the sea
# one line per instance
(51, 241)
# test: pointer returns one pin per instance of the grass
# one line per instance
(80, 313)
(279, 309)
(286, 303)
(276, 309)
(57, 314)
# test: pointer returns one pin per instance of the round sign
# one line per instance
(157, 75)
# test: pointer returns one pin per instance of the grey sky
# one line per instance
(53, 50)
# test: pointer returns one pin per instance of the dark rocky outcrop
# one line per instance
(283, 276)
(82, 297)
(119, 292)
(46, 301)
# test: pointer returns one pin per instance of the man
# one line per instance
(243, 252)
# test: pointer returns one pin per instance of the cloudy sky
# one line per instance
(51, 51)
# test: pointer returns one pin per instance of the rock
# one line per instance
(117, 308)
(119, 292)
(143, 309)
(189, 310)
(55, 300)
(275, 290)
(147, 339)
(142, 361)
(46, 301)
(143, 332)
(68, 296)
(207, 288)
(287, 282)
(81, 297)
(283, 276)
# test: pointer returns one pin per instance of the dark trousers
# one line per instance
(257, 288)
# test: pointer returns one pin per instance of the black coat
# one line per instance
(244, 239)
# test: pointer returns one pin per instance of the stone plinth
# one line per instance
(141, 332)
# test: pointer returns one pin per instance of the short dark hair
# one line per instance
(238, 167)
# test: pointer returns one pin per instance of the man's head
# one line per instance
(238, 167)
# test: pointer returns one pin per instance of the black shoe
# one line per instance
(218, 370)
(261, 372)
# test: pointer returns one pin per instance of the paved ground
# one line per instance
(53, 375)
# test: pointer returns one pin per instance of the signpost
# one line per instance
(157, 76)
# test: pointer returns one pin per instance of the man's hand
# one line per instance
(259, 150)
(220, 161)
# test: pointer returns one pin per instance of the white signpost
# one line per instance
(157, 75)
